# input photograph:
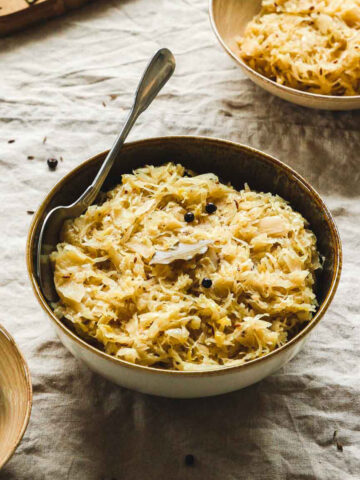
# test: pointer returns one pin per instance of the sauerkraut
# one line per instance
(306, 44)
(156, 280)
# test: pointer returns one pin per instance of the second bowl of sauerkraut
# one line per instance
(303, 51)
(200, 269)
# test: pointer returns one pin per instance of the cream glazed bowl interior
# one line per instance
(229, 19)
(15, 396)
(231, 162)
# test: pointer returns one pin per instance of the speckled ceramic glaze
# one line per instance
(15, 396)
(231, 162)
(229, 19)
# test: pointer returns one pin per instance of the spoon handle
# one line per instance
(157, 73)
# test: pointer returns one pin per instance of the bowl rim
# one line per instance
(291, 91)
(213, 371)
(29, 394)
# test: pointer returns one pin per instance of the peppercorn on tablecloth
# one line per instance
(65, 89)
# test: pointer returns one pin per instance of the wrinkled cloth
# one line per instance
(55, 86)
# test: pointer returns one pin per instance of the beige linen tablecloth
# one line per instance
(55, 82)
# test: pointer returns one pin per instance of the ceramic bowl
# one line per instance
(231, 162)
(15, 396)
(229, 19)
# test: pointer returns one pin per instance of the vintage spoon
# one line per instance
(157, 73)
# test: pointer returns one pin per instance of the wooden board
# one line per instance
(16, 15)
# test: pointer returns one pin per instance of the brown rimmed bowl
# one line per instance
(15, 396)
(229, 19)
(231, 162)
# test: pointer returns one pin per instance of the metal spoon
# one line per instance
(157, 73)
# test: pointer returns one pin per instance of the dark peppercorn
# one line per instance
(189, 217)
(52, 163)
(210, 208)
(206, 282)
(189, 460)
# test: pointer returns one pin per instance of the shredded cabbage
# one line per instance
(306, 44)
(258, 253)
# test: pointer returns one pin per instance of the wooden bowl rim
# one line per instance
(201, 140)
(291, 91)
(29, 393)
